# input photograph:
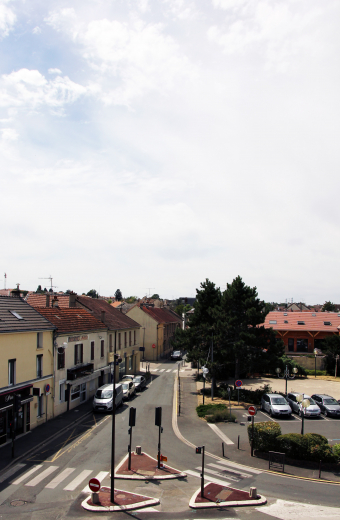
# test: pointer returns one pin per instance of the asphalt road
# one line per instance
(61, 470)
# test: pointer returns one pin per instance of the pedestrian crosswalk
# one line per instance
(159, 370)
(39, 474)
(223, 472)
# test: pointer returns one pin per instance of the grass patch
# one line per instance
(209, 409)
(220, 416)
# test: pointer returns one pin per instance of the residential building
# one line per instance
(158, 329)
(26, 369)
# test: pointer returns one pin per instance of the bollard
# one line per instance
(138, 450)
(320, 469)
(253, 492)
(238, 442)
(222, 449)
(95, 498)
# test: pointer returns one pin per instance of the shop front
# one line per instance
(15, 413)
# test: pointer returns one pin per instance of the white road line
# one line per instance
(162, 369)
(237, 473)
(220, 434)
(101, 475)
(146, 509)
(240, 467)
(175, 371)
(210, 479)
(219, 474)
(59, 478)
(25, 475)
(169, 370)
(78, 480)
(11, 471)
(154, 370)
(298, 511)
(41, 476)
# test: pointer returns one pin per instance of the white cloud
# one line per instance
(9, 134)
(36, 30)
(54, 71)
(7, 19)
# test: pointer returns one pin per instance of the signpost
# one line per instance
(200, 450)
(132, 422)
(252, 410)
(158, 422)
(94, 485)
(153, 346)
(238, 385)
(205, 371)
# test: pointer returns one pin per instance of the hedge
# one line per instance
(206, 409)
(265, 435)
(220, 416)
(249, 396)
(310, 446)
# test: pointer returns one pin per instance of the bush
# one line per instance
(336, 451)
(249, 396)
(322, 452)
(207, 409)
(220, 416)
(310, 446)
(318, 372)
(265, 435)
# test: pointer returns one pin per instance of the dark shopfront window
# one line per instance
(302, 345)
(290, 344)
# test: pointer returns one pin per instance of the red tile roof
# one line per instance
(313, 321)
(43, 300)
(71, 320)
(161, 315)
(114, 318)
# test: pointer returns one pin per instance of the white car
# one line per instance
(312, 410)
(129, 389)
(276, 404)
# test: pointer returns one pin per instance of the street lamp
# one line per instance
(315, 354)
(305, 403)
(117, 360)
(286, 374)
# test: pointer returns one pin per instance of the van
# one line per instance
(103, 401)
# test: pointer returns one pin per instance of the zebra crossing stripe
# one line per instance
(28, 474)
(237, 473)
(162, 369)
(41, 476)
(220, 434)
(169, 370)
(154, 370)
(78, 480)
(240, 467)
(11, 471)
(210, 479)
(101, 475)
(175, 371)
(59, 478)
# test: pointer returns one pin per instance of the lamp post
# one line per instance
(117, 360)
(286, 374)
(315, 354)
(305, 403)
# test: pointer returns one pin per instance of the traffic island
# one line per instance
(123, 501)
(144, 467)
(216, 495)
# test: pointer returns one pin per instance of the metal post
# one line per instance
(252, 436)
(315, 367)
(202, 474)
(302, 420)
(113, 432)
(203, 388)
(238, 442)
(238, 395)
(46, 407)
(222, 449)
(159, 447)
(229, 392)
(129, 466)
(320, 468)
(212, 361)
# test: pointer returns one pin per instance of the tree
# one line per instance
(93, 293)
(118, 295)
(180, 309)
(328, 306)
(131, 299)
(39, 289)
(155, 296)
(331, 347)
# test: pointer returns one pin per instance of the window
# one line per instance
(39, 340)
(327, 323)
(134, 337)
(92, 350)
(291, 344)
(119, 340)
(75, 392)
(40, 411)
(101, 348)
(300, 322)
(62, 391)
(83, 392)
(129, 338)
(125, 339)
(302, 345)
(11, 371)
(272, 322)
(285, 321)
(78, 354)
(40, 365)
(92, 385)
(61, 358)
(130, 363)
(110, 342)
(17, 315)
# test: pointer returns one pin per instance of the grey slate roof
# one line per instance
(32, 320)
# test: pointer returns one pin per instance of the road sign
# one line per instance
(252, 410)
(205, 371)
(94, 485)
(153, 345)
(47, 388)
(163, 458)
(238, 383)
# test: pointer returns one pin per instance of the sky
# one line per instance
(148, 145)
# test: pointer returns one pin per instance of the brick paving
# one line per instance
(145, 466)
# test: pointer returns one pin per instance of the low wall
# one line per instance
(309, 362)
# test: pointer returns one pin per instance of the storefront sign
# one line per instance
(72, 339)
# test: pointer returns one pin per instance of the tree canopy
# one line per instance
(93, 293)
(155, 296)
(328, 306)
(230, 324)
(118, 295)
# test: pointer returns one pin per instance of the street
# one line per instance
(52, 482)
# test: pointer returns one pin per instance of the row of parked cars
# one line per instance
(124, 390)
(276, 404)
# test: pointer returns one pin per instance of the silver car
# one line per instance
(103, 399)
(313, 409)
(276, 404)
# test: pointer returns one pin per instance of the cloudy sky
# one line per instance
(156, 143)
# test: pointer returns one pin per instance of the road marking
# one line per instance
(78, 480)
(220, 434)
(101, 475)
(240, 467)
(59, 478)
(25, 475)
(219, 474)
(154, 370)
(237, 473)
(175, 371)
(162, 369)
(57, 454)
(11, 471)
(41, 476)
(169, 370)
(298, 511)
(211, 479)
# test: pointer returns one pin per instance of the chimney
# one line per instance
(47, 300)
(55, 302)
(72, 300)
(16, 292)
(102, 316)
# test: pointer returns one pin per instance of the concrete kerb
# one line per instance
(180, 474)
(205, 505)
(130, 507)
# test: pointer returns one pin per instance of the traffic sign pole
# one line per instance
(252, 435)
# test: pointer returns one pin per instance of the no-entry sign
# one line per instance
(153, 346)
(238, 383)
(252, 410)
(94, 485)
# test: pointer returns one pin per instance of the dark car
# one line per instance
(140, 383)
(327, 404)
(176, 355)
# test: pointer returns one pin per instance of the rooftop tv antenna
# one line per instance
(5, 281)
(51, 280)
(150, 289)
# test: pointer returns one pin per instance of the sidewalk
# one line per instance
(42, 435)
(198, 432)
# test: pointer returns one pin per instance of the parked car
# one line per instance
(312, 411)
(176, 355)
(129, 389)
(103, 399)
(327, 404)
(276, 404)
(140, 383)
(128, 378)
